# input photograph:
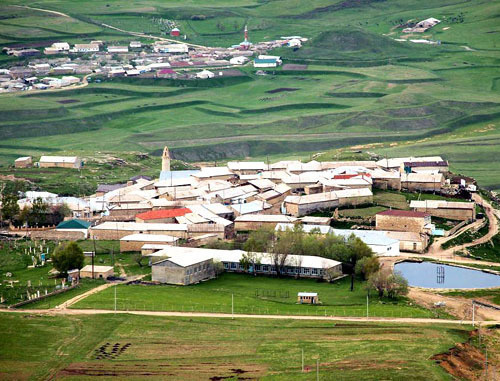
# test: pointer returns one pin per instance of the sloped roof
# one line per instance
(163, 213)
(74, 224)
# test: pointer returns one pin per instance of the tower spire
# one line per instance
(165, 160)
(246, 33)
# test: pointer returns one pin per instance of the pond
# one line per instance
(434, 275)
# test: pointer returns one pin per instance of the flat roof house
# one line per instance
(23, 162)
(430, 182)
(249, 222)
(301, 205)
(403, 220)
(100, 272)
(183, 269)
(60, 162)
(452, 210)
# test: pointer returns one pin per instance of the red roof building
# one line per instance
(164, 215)
(175, 32)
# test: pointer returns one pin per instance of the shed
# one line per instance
(23, 162)
(100, 272)
(307, 298)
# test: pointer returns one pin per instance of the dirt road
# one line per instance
(435, 250)
(456, 306)
(248, 316)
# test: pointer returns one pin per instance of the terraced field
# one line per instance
(360, 88)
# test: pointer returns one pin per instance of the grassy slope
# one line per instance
(362, 87)
(187, 349)
(215, 296)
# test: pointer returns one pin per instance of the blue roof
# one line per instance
(265, 60)
(174, 175)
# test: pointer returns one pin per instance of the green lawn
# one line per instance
(466, 237)
(69, 347)
(260, 295)
(365, 212)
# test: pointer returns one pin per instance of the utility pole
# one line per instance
(367, 303)
(317, 369)
(232, 306)
(93, 255)
(302, 360)
(473, 313)
(115, 298)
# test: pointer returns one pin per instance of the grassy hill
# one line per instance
(361, 87)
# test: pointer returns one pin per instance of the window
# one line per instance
(273, 268)
(265, 268)
(314, 271)
(233, 265)
(188, 271)
(414, 246)
(307, 271)
(226, 265)
(258, 267)
(290, 270)
(297, 270)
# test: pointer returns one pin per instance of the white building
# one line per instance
(85, 48)
(117, 49)
(205, 74)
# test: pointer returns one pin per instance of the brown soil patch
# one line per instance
(199, 371)
(463, 361)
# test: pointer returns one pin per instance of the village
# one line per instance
(176, 220)
(61, 65)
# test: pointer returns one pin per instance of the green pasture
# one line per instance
(79, 346)
(361, 87)
(253, 295)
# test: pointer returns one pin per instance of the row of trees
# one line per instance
(356, 256)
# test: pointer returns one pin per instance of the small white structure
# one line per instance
(85, 48)
(240, 60)
(135, 44)
(205, 74)
(117, 49)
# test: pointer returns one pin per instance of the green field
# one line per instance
(80, 347)
(260, 295)
(361, 87)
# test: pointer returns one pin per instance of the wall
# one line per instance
(353, 201)
(402, 224)
(114, 234)
(394, 184)
(413, 187)
(451, 214)
(53, 235)
(168, 272)
(97, 275)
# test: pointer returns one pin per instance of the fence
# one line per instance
(41, 297)
(376, 310)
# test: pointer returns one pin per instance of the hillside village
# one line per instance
(61, 65)
(197, 207)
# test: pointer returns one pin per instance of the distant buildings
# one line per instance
(60, 162)
(23, 162)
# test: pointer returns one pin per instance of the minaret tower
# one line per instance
(246, 33)
(165, 160)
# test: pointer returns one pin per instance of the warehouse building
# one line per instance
(23, 162)
(100, 272)
(418, 182)
(183, 269)
(403, 220)
(295, 265)
(60, 162)
(451, 210)
(410, 241)
(162, 215)
(302, 205)
(117, 230)
(251, 222)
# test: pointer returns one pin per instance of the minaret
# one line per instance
(246, 34)
(165, 160)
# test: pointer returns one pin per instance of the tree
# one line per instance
(218, 267)
(67, 257)
(393, 284)
(331, 273)
(378, 282)
(10, 208)
(367, 266)
(138, 259)
(259, 240)
(249, 260)
(397, 286)
(37, 215)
